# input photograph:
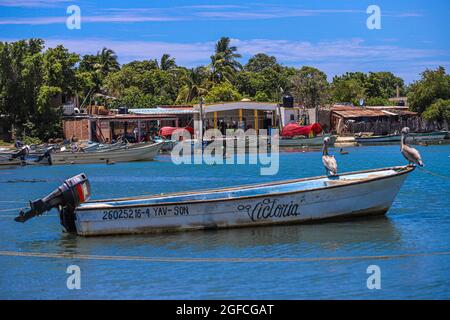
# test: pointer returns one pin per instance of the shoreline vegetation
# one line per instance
(34, 82)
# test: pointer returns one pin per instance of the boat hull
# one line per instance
(411, 138)
(338, 198)
(316, 141)
(426, 137)
(378, 139)
(138, 153)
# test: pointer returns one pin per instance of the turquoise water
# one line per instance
(418, 223)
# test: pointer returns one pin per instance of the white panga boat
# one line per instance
(300, 142)
(348, 195)
(427, 136)
(378, 139)
(138, 152)
(412, 138)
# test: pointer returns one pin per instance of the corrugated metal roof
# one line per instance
(357, 112)
(160, 111)
(246, 105)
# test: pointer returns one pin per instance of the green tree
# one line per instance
(166, 62)
(194, 85)
(383, 85)
(156, 85)
(47, 120)
(265, 75)
(439, 111)
(348, 90)
(224, 65)
(94, 69)
(375, 87)
(433, 85)
(21, 67)
(377, 101)
(260, 62)
(134, 97)
(261, 97)
(223, 92)
(106, 62)
(59, 78)
(310, 87)
(60, 69)
(90, 77)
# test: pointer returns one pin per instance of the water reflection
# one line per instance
(291, 240)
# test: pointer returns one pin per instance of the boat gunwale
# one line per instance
(114, 150)
(402, 170)
(368, 138)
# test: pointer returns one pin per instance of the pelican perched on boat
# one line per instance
(410, 154)
(328, 160)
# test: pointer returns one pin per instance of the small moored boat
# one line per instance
(300, 142)
(138, 152)
(378, 139)
(348, 195)
(427, 136)
(412, 138)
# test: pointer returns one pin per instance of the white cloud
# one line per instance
(33, 20)
(189, 54)
(33, 3)
(354, 49)
(177, 13)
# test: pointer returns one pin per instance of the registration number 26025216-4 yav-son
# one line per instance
(144, 213)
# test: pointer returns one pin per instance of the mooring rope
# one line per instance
(434, 173)
(211, 260)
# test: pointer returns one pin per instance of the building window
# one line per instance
(292, 117)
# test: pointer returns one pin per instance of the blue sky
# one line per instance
(328, 34)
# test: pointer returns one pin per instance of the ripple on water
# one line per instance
(419, 221)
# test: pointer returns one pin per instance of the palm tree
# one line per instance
(194, 85)
(166, 63)
(220, 70)
(223, 62)
(106, 62)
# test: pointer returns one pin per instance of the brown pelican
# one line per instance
(328, 160)
(410, 154)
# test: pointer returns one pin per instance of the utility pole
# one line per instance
(201, 121)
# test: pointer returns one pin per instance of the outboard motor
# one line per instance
(46, 155)
(22, 153)
(65, 198)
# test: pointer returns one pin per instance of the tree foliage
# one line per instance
(439, 111)
(224, 65)
(375, 87)
(195, 84)
(34, 81)
(310, 87)
(433, 85)
(223, 92)
(264, 75)
(30, 81)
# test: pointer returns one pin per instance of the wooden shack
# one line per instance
(348, 120)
